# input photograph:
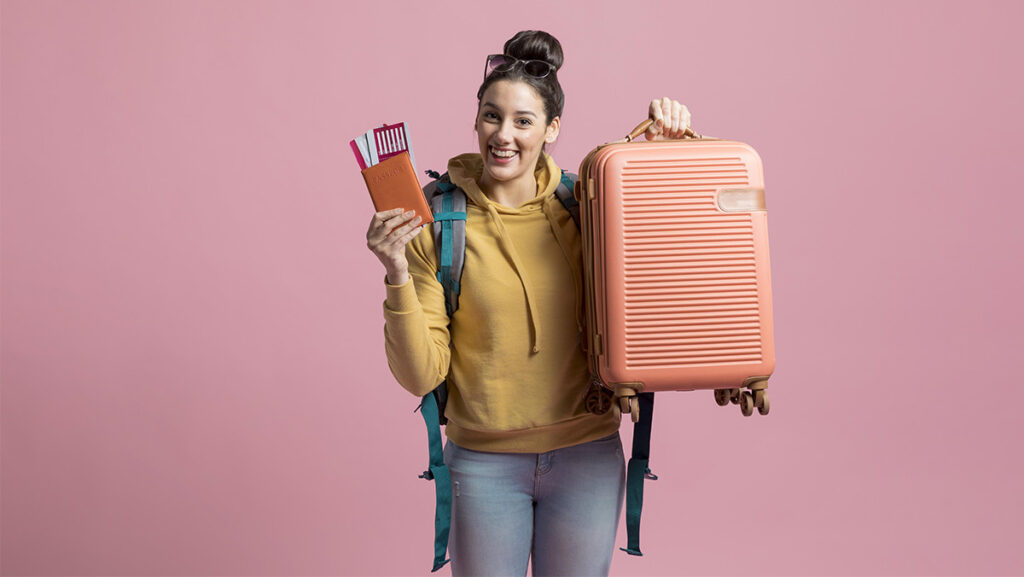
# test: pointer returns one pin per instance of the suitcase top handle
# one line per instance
(642, 127)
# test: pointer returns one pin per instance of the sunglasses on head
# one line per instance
(502, 63)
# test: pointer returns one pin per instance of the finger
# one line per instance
(686, 118)
(411, 235)
(400, 240)
(653, 132)
(380, 217)
(401, 231)
(379, 220)
(655, 111)
(666, 111)
(396, 221)
(676, 119)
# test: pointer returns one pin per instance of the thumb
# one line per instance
(655, 129)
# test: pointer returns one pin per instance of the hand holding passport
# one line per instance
(385, 156)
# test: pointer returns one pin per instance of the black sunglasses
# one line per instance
(502, 62)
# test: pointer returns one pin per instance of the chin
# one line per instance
(496, 170)
(498, 174)
(509, 172)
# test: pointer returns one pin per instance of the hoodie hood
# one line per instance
(466, 170)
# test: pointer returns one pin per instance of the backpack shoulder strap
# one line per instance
(638, 470)
(448, 205)
(565, 193)
(437, 472)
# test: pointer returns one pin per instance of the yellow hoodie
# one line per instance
(517, 375)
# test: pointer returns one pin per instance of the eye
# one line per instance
(524, 122)
(488, 115)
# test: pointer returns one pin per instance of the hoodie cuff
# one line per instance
(401, 298)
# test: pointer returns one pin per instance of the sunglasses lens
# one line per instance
(497, 62)
(537, 68)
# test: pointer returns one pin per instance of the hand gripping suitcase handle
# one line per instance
(643, 126)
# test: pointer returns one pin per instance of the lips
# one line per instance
(502, 159)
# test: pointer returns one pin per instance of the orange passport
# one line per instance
(393, 184)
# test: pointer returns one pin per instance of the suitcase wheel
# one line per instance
(722, 397)
(734, 396)
(757, 397)
(761, 401)
(747, 403)
(624, 404)
(628, 405)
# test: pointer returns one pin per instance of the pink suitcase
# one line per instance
(678, 291)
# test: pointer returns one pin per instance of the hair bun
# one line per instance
(535, 45)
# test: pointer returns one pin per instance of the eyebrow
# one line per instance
(492, 105)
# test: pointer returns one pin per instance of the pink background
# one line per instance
(193, 371)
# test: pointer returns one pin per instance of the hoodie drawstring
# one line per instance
(521, 271)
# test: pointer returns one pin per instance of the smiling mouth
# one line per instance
(503, 154)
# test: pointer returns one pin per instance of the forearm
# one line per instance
(417, 347)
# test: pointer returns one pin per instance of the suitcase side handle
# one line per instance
(643, 126)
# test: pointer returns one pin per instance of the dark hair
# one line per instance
(533, 45)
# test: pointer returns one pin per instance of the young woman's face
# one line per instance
(510, 127)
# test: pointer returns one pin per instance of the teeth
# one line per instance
(503, 153)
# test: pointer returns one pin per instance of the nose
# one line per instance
(504, 133)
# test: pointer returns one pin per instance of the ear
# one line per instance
(551, 133)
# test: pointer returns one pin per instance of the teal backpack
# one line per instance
(448, 205)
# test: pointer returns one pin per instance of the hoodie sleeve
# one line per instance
(416, 337)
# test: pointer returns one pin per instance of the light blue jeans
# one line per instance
(561, 506)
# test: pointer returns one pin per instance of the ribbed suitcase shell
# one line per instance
(678, 290)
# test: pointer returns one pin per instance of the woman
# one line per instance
(533, 473)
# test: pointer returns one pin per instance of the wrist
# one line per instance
(397, 277)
